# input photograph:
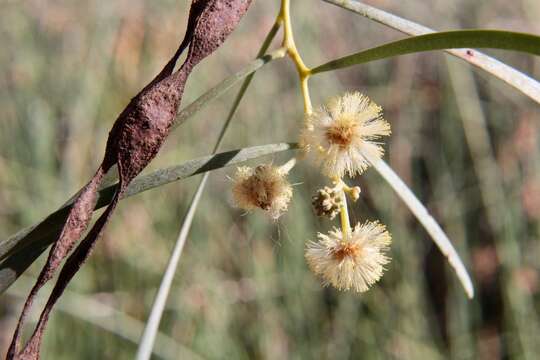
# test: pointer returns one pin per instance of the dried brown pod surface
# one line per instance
(134, 140)
(197, 7)
(143, 126)
(75, 225)
(72, 265)
(217, 21)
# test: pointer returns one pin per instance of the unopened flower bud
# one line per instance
(354, 193)
(327, 202)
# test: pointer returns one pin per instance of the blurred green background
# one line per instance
(467, 144)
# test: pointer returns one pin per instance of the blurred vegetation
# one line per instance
(468, 145)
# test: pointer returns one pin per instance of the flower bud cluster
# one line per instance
(327, 202)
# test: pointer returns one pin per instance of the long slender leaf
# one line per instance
(225, 85)
(151, 329)
(508, 74)
(20, 250)
(439, 41)
(427, 221)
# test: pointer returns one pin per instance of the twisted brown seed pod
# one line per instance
(134, 140)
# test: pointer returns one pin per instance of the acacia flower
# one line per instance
(342, 134)
(264, 187)
(354, 262)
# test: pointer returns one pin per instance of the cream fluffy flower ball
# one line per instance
(342, 134)
(355, 262)
(264, 187)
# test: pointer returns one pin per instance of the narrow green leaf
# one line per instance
(20, 250)
(438, 41)
(225, 85)
(508, 74)
(428, 222)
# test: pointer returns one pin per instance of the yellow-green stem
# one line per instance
(288, 42)
(343, 210)
(284, 18)
(344, 217)
(308, 108)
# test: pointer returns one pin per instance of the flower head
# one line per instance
(355, 262)
(264, 187)
(343, 133)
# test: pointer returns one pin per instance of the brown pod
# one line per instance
(216, 22)
(134, 140)
(197, 7)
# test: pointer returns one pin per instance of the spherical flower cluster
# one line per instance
(344, 134)
(264, 187)
(353, 262)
